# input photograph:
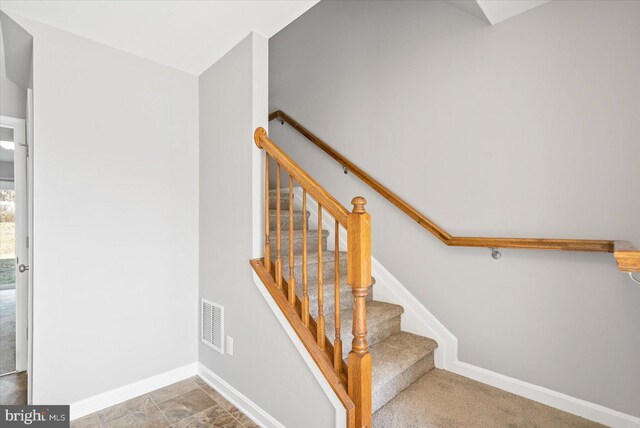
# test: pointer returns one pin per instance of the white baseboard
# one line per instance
(417, 319)
(106, 399)
(235, 397)
(576, 406)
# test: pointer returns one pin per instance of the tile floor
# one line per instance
(191, 403)
(13, 389)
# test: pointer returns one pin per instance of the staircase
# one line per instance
(399, 358)
(383, 376)
(407, 391)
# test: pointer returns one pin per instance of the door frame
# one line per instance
(29, 129)
(22, 232)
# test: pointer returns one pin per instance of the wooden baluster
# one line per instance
(305, 288)
(278, 220)
(337, 343)
(267, 242)
(359, 279)
(292, 281)
(320, 321)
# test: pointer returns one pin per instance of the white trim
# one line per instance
(20, 181)
(417, 319)
(32, 265)
(260, 118)
(576, 406)
(118, 395)
(235, 397)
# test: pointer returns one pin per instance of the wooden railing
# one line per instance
(627, 256)
(351, 381)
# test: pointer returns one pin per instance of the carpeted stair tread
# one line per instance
(444, 399)
(284, 201)
(328, 266)
(283, 191)
(397, 362)
(383, 320)
(298, 217)
(312, 241)
(346, 296)
(312, 258)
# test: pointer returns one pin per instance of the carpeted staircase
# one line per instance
(407, 390)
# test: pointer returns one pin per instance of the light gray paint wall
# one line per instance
(18, 49)
(13, 99)
(527, 128)
(115, 220)
(265, 367)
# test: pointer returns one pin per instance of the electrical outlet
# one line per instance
(230, 345)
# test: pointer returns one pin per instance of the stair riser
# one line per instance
(346, 300)
(312, 270)
(312, 243)
(387, 392)
(375, 334)
(284, 221)
(284, 202)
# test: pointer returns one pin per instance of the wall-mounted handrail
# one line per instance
(627, 256)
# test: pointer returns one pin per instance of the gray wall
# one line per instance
(527, 128)
(13, 99)
(17, 45)
(265, 367)
(16, 51)
(115, 180)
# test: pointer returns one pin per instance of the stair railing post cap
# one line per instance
(358, 204)
(258, 134)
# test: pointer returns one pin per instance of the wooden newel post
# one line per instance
(359, 279)
(258, 134)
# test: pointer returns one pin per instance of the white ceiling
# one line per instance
(495, 11)
(187, 35)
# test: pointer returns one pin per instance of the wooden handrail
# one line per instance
(351, 381)
(627, 256)
(324, 198)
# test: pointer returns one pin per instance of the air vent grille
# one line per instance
(212, 325)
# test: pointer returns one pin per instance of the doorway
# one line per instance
(14, 261)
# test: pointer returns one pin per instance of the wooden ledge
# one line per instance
(627, 256)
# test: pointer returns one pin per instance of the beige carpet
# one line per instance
(7, 331)
(443, 399)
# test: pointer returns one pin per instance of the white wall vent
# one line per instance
(212, 325)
